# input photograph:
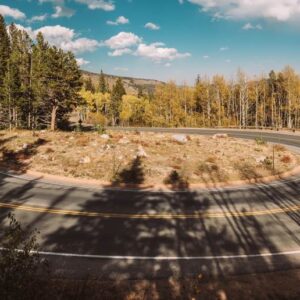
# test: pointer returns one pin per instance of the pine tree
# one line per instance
(73, 84)
(4, 57)
(89, 86)
(63, 76)
(118, 92)
(102, 88)
(12, 81)
(39, 82)
(25, 68)
(198, 80)
(16, 92)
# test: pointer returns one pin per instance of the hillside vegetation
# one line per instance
(132, 85)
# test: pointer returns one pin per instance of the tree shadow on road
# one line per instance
(175, 237)
(138, 233)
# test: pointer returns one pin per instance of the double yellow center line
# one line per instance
(159, 216)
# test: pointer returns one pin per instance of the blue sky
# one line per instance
(167, 39)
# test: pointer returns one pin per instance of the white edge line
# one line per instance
(161, 258)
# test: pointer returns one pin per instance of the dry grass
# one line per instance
(279, 148)
(201, 159)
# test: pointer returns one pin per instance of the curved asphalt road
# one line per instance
(131, 234)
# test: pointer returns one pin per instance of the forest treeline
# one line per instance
(41, 84)
(272, 101)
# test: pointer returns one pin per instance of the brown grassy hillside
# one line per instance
(132, 85)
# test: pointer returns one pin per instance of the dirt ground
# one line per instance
(143, 158)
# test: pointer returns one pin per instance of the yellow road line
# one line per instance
(166, 216)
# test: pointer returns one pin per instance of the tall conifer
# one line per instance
(4, 55)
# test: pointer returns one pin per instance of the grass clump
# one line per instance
(279, 148)
(211, 160)
(247, 171)
(260, 141)
(267, 163)
(208, 167)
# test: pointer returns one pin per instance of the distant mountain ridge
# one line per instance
(132, 85)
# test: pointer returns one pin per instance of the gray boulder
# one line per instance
(180, 138)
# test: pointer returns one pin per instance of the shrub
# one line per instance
(97, 119)
(78, 128)
(267, 163)
(19, 263)
(208, 167)
(260, 141)
(247, 171)
(100, 129)
(286, 159)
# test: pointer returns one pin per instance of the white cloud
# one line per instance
(168, 65)
(121, 69)
(106, 5)
(206, 57)
(123, 40)
(156, 52)
(280, 10)
(120, 52)
(129, 43)
(152, 26)
(158, 44)
(222, 49)
(98, 4)
(57, 2)
(120, 20)
(228, 61)
(64, 38)
(82, 62)
(56, 35)
(62, 11)
(38, 18)
(249, 26)
(80, 45)
(7, 11)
